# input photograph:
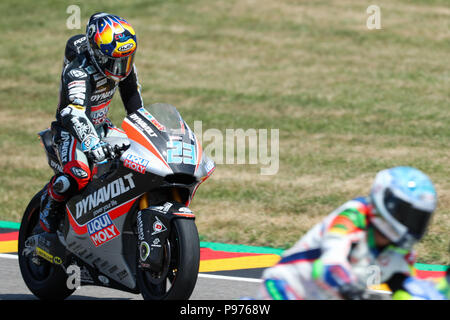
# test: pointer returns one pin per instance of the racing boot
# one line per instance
(52, 202)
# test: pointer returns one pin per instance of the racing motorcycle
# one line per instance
(131, 227)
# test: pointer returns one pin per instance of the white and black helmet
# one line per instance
(405, 199)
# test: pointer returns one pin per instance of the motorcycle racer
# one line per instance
(365, 239)
(95, 65)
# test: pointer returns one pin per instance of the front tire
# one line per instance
(183, 261)
(46, 280)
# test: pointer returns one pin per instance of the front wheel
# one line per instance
(44, 279)
(182, 260)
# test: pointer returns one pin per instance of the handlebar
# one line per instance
(112, 152)
(116, 151)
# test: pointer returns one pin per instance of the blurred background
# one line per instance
(347, 100)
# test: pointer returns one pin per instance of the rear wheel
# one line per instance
(180, 271)
(44, 279)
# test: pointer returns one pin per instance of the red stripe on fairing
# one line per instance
(113, 214)
(135, 135)
(187, 215)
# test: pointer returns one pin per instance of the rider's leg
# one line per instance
(76, 174)
(52, 201)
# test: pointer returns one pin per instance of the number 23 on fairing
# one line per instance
(181, 152)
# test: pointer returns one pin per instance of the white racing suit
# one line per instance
(339, 250)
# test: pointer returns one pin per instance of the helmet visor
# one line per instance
(414, 219)
(115, 67)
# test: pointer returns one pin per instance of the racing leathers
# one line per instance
(337, 259)
(81, 123)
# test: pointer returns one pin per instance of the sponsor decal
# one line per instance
(152, 119)
(98, 116)
(125, 47)
(105, 194)
(121, 37)
(78, 41)
(156, 243)
(135, 163)
(142, 125)
(65, 146)
(101, 82)
(76, 73)
(158, 227)
(47, 256)
(101, 229)
(164, 208)
(79, 173)
(90, 69)
(89, 142)
(98, 76)
(57, 260)
(55, 165)
(77, 97)
(77, 83)
(102, 96)
(140, 226)
(81, 127)
(44, 254)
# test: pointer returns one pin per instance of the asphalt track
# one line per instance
(209, 286)
(227, 272)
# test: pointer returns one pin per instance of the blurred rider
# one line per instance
(95, 65)
(365, 241)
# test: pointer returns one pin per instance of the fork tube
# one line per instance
(143, 202)
(176, 195)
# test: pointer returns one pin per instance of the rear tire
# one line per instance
(46, 281)
(183, 248)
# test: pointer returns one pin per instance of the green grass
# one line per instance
(347, 101)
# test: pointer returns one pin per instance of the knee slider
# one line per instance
(61, 184)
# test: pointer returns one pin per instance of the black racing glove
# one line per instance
(101, 152)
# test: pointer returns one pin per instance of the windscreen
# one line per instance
(167, 116)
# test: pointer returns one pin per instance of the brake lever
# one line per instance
(119, 150)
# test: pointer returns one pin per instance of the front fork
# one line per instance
(154, 228)
(143, 201)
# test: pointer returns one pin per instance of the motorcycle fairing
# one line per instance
(97, 223)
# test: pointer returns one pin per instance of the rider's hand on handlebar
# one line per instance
(101, 152)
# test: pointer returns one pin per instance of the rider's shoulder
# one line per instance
(75, 71)
(75, 46)
(358, 209)
(80, 69)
